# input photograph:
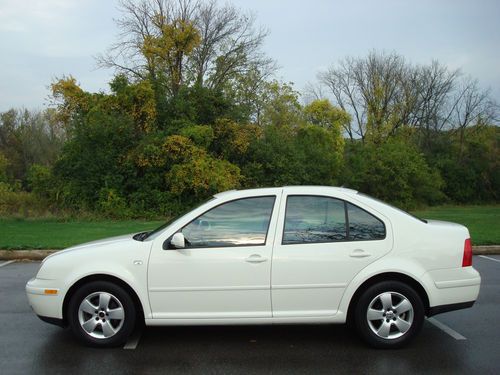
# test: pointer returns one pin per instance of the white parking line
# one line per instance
(443, 327)
(133, 340)
(6, 263)
(493, 259)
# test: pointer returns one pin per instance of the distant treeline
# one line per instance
(193, 110)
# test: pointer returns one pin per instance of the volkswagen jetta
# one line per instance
(303, 254)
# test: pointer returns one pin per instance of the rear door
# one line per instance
(322, 241)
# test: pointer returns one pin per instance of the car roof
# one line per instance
(301, 188)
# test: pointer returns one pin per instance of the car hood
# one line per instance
(97, 243)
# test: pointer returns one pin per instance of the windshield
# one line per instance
(393, 207)
(154, 233)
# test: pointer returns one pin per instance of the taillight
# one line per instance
(467, 259)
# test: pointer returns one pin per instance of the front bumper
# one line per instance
(45, 305)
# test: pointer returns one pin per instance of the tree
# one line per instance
(394, 171)
(186, 41)
(383, 93)
(29, 137)
(322, 113)
(281, 106)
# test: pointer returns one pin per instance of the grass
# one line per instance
(19, 234)
(483, 223)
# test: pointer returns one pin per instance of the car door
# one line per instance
(322, 242)
(224, 271)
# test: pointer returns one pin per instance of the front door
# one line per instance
(225, 269)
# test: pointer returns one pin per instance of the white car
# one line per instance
(303, 254)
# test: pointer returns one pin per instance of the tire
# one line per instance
(389, 314)
(102, 314)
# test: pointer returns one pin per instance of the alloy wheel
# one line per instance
(390, 315)
(101, 315)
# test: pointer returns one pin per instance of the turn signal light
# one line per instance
(467, 259)
(50, 291)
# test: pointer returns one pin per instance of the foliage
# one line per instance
(26, 138)
(4, 163)
(322, 113)
(394, 172)
(471, 167)
(304, 155)
(16, 203)
(192, 110)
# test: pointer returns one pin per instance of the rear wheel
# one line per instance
(389, 314)
(102, 313)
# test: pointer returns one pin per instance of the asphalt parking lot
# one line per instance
(466, 341)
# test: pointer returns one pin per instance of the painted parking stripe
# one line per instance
(133, 340)
(443, 327)
(493, 259)
(6, 263)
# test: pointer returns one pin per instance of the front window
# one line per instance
(242, 222)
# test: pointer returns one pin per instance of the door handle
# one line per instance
(255, 258)
(359, 253)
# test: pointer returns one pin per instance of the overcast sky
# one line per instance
(44, 39)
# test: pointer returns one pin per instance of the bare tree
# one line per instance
(229, 45)
(383, 92)
(471, 105)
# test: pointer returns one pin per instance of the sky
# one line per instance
(41, 40)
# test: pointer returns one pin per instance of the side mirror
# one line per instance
(177, 241)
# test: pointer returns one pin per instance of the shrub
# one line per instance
(111, 204)
(394, 171)
(20, 203)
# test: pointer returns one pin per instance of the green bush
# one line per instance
(201, 135)
(41, 181)
(305, 155)
(20, 203)
(111, 204)
(394, 171)
(471, 170)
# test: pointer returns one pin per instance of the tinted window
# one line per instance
(364, 226)
(310, 219)
(236, 223)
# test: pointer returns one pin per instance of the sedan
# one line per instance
(300, 254)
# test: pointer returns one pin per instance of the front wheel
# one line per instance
(102, 314)
(389, 314)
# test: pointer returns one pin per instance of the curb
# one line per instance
(41, 254)
(25, 254)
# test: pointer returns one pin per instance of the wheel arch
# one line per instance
(387, 276)
(101, 277)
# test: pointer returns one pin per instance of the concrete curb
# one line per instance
(25, 254)
(41, 254)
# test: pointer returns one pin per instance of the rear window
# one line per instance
(319, 219)
(393, 207)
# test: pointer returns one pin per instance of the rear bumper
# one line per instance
(451, 289)
(451, 307)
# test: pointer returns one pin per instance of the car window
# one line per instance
(310, 219)
(236, 223)
(363, 225)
